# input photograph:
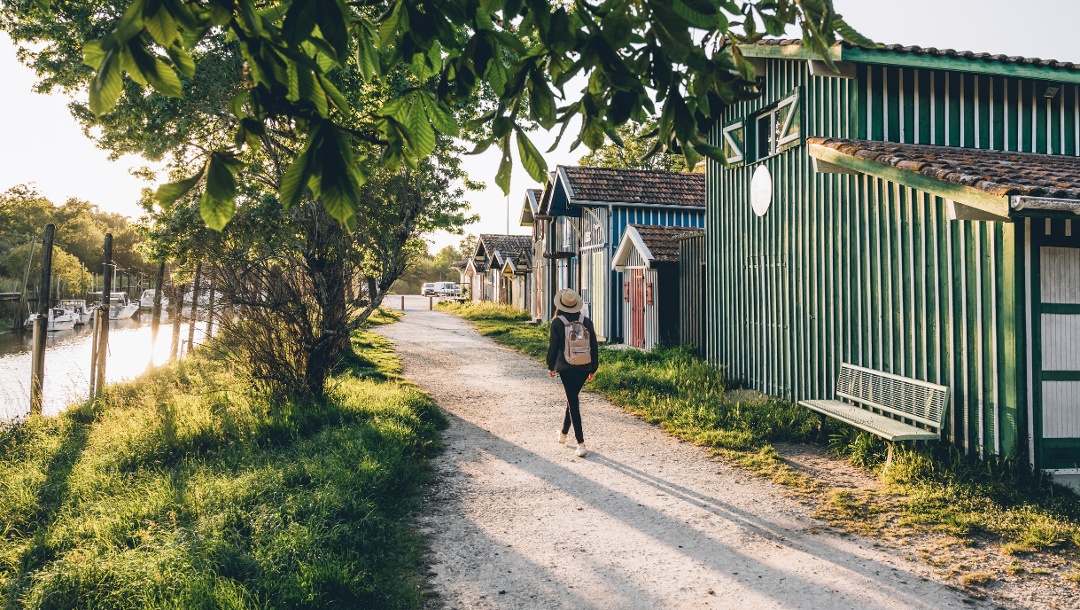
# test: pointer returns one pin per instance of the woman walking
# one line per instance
(568, 314)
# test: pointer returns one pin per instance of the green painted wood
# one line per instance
(957, 64)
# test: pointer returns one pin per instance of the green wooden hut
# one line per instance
(912, 211)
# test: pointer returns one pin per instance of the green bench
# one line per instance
(893, 407)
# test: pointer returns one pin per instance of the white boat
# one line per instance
(120, 308)
(79, 309)
(59, 319)
(146, 300)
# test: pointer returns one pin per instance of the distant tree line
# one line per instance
(78, 244)
(426, 267)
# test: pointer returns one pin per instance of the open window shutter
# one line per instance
(733, 142)
(791, 129)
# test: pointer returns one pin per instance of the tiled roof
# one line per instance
(935, 52)
(995, 172)
(460, 264)
(505, 245)
(663, 242)
(601, 184)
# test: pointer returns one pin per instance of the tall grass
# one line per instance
(185, 489)
(937, 488)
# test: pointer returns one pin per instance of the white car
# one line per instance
(427, 289)
(447, 289)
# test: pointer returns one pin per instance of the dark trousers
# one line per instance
(572, 381)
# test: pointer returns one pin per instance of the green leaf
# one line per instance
(163, 28)
(502, 177)
(164, 79)
(107, 85)
(332, 20)
(216, 213)
(220, 182)
(299, 22)
(440, 117)
(389, 23)
(169, 193)
(295, 180)
(421, 136)
(367, 57)
(93, 54)
(531, 159)
(334, 94)
(182, 60)
(398, 108)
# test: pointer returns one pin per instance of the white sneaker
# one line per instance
(581, 450)
(562, 438)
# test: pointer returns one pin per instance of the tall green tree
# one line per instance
(674, 59)
(633, 152)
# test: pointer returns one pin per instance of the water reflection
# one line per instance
(67, 362)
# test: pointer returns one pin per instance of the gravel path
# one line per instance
(516, 521)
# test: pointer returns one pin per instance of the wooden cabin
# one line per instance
(492, 252)
(647, 261)
(913, 212)
(554, 244)
(585, 211)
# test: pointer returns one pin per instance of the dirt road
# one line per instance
(645, 521)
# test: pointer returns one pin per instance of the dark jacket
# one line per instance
(557, 337)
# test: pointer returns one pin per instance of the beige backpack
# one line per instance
(576, 348)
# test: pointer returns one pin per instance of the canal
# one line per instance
(67, 362)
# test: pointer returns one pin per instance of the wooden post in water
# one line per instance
(103, 334)
(22, 295)
(41, 323)
(194, 307)
(210, 307)
(155, 319)
(178, 313)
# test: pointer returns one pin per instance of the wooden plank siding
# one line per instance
(851, 268)
(609, 320)
(692, 292)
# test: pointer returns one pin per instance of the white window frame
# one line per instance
(787, 136)
(726, 133)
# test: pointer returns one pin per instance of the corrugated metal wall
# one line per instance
(854, 269)
(692, 292)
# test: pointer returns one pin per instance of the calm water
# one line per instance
(67, 362)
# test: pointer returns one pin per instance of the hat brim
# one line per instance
(564, 307)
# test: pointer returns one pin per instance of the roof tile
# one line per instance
(637, 186)
(663, 242)
(996, 172)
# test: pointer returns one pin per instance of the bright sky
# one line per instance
(43, 145)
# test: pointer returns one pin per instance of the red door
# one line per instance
(637, 308)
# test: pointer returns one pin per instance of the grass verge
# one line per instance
(934, 488)
(184, 489)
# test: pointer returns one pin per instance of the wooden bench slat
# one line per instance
(881, 425)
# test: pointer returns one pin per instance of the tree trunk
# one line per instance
(325, 261)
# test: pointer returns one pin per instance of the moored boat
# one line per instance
(79, 309)
(59, 319)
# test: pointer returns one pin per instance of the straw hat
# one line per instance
(568, 300)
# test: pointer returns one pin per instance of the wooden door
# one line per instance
(637, 308)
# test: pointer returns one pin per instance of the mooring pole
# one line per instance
(41, 322)
(210, 307)
(25, 279)
(103, 335)
(155, 320)
(194, 307)
(178, 313)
